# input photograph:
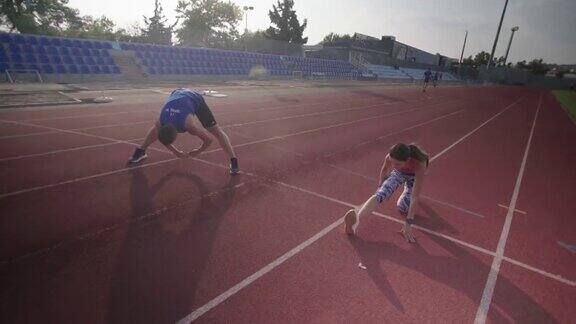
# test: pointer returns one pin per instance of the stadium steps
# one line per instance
(129, 67)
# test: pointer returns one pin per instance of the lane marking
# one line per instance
(515, 210)
(488, 292)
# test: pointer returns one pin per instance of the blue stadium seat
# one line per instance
(33, 67)
(30, 58)
(84, 69)
(73, 69)
(52, 50)
(95, 69)
(89, 60)
(44, 41)
(56, 42)
(109, 61)
(105, 69)
(17, 58)
(78, 60)
(95, 52)
(99, 60)
(43, 58)
(4, 38)
(64, 50)
(18, 66)
(19, 39)
(104, 52)
(139, 55)
(3, 66)
(47, 68)
(115, 70)
(3, 57)
(107, 45)
(76, 43)
(76, 51)
(67, 59)
(67, 42)
(86, 52)
(87, 44)
(61, 69)
(27, 48)
(14, 48)
(97, 45)
(55, 59)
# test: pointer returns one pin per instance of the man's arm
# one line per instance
(176, 151)
(197, 131)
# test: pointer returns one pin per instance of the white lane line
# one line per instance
(174, 159)
(473, 131)
(484, 306)
(516, 210)
(541, 272)
(453, 206)
(269, 267)
(150, 122)
(265, 109)
(20, 157)
(569, 247)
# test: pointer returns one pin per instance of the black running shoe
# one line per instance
(138, 156)
(234, 169)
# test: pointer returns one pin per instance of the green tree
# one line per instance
(101, 28)
(481, 58)
(469, 61)
(537, 66)
(49, 17)
(521, 64)
(333, 37)
(288, 28)
(210, 23)
(156, 30)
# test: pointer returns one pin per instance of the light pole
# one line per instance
(514, 29)
(463, 46)
(497, 34)
(246, 9)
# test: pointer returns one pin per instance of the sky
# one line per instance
(547, 27)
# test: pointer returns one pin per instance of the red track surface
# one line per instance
(85, 239)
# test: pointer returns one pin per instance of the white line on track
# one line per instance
(269, 267)
(112, 140)
(484, 306)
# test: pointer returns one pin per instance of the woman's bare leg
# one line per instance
(352, 217)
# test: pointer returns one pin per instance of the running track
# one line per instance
(83, 238)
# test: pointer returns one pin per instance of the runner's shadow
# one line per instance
(456, 267)
(164, 251)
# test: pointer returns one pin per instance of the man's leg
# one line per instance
(209, 122)
(151, 137)
(223, 140)
(140, 152)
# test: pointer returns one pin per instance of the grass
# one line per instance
(568, 100)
